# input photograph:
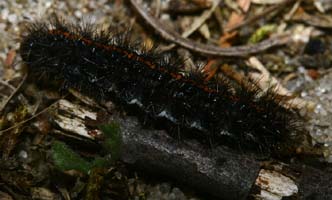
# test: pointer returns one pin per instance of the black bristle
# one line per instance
(106, 66)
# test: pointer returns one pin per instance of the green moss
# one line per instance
(66, 159)
(101, 162)
(262, 33)
(113, 141)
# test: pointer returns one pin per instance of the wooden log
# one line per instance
(219, 171)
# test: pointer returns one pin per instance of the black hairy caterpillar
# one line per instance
(107, 67)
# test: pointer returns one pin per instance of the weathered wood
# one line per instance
(219, 171)
(215, 171)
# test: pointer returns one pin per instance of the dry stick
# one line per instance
(158, 8)
(25, 121)
(208, 49)
(258, 16)
(5, 83)
(265, 81)
(198, 22)
(13, 93)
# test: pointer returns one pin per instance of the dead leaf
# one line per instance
(267, 1)
(314, 74)
(224, 40)
(8, 68)
(244, 5)
(210, 69)
(234, 20)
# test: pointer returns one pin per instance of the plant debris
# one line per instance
(59, 145)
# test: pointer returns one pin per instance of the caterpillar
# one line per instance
(152, 85)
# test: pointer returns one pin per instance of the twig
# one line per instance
(265, 81)
(260, 15)
(13, 93)
(208, 49)
(314, 20)
(201, 19)
(24, 121)
(158, 8)
(292, 11)
(198, 22)
(5, 83)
